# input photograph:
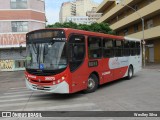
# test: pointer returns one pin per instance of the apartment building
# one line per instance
(68, 9)
(125, 19)
(76, 10)
(91, 17)
(17, 17)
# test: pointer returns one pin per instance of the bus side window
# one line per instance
(94, 47)
(126, 48)
(133, 48)
(118, 48)
(108, 50)
(138, 52)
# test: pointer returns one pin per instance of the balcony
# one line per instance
(148, 33)
(145, 12)
(112, 12)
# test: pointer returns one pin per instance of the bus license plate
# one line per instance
(40, 87)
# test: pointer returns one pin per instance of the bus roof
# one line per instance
(89, 33)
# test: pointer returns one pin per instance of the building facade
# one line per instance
(76, 10)
(17, 17)
(78, 19)
(125, 19)
(91, 17)
(68, 9)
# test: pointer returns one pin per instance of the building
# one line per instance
(17, 17)
(126, 22)
(76, 10)
(91, 17)
(82, 6)
(78, 19)
(68, 9)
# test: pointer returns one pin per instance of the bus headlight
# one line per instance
(63, 78)
(59, 80)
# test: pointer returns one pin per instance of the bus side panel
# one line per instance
(119, 65)
(79, 78)
(107, 73)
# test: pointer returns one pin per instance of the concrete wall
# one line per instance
(32, 4)
(36, 5)
(4, 4)
(11, 54)
(12, 60)
(35, 25)
(5, 26)
(157, 50)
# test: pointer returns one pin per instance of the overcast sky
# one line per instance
(53, 8)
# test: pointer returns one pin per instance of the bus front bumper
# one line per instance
(62, 88)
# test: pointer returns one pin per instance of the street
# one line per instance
(141, 93)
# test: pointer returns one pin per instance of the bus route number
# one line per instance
(93, 63)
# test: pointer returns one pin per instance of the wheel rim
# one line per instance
(91, 83)
(130, 72)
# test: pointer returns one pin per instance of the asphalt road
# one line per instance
(141, 93)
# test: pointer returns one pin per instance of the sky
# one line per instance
(53, 8)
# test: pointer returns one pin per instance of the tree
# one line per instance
(94, 27)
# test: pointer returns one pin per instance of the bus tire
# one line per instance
(130, 72)
(92, 84)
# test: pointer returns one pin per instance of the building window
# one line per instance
(19, 26)
(135, 7)
(18, 4)
(149, 24)
(150, 1)
(136, 28)
(19, 63)
(126, 31)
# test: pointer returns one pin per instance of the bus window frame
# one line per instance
(112, 48)
(68, 51)
(101, 47)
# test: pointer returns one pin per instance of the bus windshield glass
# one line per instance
(46, 52)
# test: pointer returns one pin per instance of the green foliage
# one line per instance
(94, 27)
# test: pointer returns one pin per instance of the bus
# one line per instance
(65, 60)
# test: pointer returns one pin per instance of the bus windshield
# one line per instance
(46, 56)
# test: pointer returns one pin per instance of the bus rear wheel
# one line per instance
(130, 72)
(92, 84)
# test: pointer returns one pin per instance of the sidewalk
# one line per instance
(153, 66)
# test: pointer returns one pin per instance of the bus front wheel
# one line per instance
(92, 84)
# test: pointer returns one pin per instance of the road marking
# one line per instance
(22, 99)
(18, 88)
(23, 103)
(22, 92)
(35, 101)
(59, 107)
(21, 95)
